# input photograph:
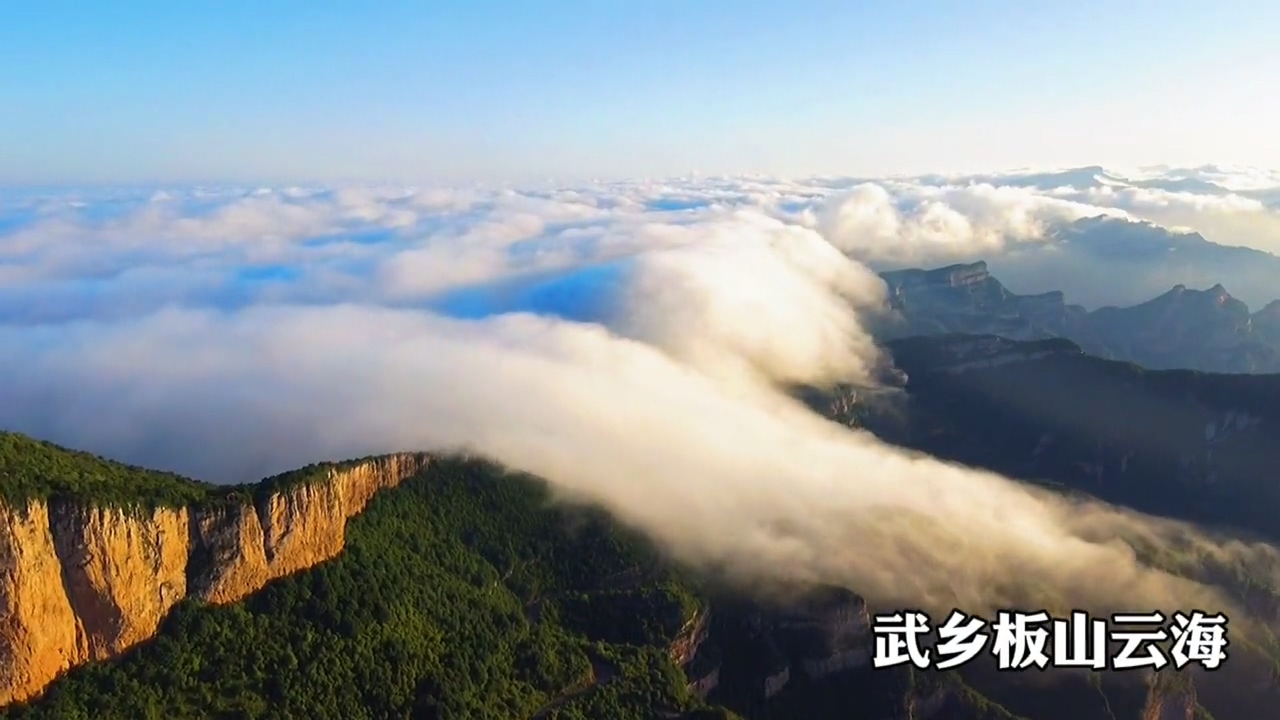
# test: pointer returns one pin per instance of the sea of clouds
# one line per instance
(627, 341)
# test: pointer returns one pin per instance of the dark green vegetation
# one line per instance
(465, 594)
(446, 604)
(1196, 446)
(262, 490)
(33, 469)
(1182, 444)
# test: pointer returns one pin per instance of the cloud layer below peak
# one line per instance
(626, 341)
(115, 253)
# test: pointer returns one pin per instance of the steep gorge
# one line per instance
(84, 581)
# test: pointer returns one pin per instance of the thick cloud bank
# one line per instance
(1022, 224)
(625, 342)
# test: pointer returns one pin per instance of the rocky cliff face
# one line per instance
(229, 553)
(950, 276)
(1169, 700)
(968, 299)
(40, 635)
(1266, 323)
(690, 638)
(81, 583)
(1190, 446)
(1184, 328)
(121, 572)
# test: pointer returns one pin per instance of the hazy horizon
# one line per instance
(352, 290)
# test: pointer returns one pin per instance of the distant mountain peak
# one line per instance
(959, 352)
(1135, 230)
(1271, 309)
(957, 275)
(1218, 293)
(1206, 329)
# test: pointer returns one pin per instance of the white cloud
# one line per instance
(1228, 219)
(1236, 178)
(1232, 206)
(912, 224)
(664, 408)
(1012, 221)
(747, 479)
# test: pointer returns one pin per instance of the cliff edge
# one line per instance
(84, 578)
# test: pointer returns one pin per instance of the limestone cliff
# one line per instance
(39, 633)
(121, 572)
(229, 556)
(80, 582)
(240, 546)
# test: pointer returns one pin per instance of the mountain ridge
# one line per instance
(454, 572)
(1205, 330)
(124, 566)
(1192, 441)
(802, 650)
(796, 667)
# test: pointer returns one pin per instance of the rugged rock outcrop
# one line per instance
(690, 638)
(122, 571)
(1205, 330)
(954, 276)
(81, 582)
(704, 683)
(229, 556)
(775, 683)
(702, 673)
(827, 632)
(39, 632)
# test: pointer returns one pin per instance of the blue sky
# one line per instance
(147, 91)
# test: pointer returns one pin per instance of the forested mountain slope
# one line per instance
(459, 590)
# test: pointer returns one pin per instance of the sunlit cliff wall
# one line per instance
(81, 583)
